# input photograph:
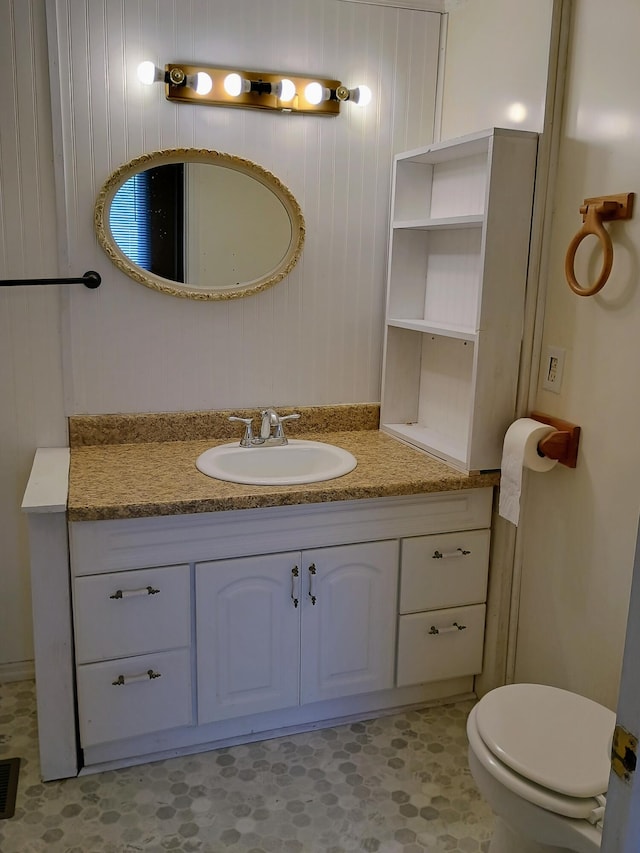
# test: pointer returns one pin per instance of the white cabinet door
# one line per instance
(248, 635)
(348, 620)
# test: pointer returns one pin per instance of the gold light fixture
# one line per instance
(231, 87)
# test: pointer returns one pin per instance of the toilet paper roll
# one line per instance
(520, 450)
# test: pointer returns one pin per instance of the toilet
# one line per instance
(540, 757)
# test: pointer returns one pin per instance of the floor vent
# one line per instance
(9, 770)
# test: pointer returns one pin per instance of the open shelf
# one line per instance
(436, 276)
(452, 149)
(459, 242)
(429, 390)
(435, 443)
(431, 188)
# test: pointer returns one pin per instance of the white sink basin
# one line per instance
(287, 465)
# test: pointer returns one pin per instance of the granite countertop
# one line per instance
(129, 466)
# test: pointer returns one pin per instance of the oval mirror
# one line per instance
(199, 224)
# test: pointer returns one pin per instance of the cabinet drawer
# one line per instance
(140, 704)
(445, 570)
(129, 613)
(424, 655)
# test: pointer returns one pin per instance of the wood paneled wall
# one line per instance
(31, 409)
(314, 338)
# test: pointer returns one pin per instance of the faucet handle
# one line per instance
(247, 438)
(294, 417)
(282, 419)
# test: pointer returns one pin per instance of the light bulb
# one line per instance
(361, 96)
(235, 85)
(285, 90)
(204, 83)
(149, 73)
(315, 93)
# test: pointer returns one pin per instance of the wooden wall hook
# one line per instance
(594, 211)
(562, 444)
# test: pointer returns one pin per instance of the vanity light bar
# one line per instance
(231, 87)
(260, 93)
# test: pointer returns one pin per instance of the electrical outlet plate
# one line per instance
(553, 368)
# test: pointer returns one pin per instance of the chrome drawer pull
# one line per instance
(130, 593)
(459, 552)
(123, 680)
(294, 574)
(449, 630)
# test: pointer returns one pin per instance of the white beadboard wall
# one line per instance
(31, 410)
(314, 338)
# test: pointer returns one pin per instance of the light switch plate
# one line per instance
(553, 368)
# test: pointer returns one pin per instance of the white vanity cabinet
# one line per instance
(281, 630)
(458, 257)
(206, 629)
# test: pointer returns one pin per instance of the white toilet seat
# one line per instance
(573, 807)
(560, 740)
(525, 737)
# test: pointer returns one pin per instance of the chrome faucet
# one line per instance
(271, 430)
(270, 423)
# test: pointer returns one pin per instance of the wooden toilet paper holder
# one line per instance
(562, 443)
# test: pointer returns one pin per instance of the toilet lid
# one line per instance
(553, 737)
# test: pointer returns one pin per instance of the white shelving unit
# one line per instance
(459, 245)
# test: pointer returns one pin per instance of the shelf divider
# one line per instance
(472, 220)
(429, 327)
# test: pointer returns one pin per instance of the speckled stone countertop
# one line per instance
(132, 466)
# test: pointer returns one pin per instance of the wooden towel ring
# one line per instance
(594, 211)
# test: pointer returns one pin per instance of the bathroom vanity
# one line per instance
(189, 613)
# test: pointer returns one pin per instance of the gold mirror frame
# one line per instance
(198, 155)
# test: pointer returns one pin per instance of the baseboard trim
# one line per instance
(255, 736)
(22, 670)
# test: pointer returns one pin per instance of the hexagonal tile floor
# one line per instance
(397, 784)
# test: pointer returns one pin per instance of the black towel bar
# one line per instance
(89, 279)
